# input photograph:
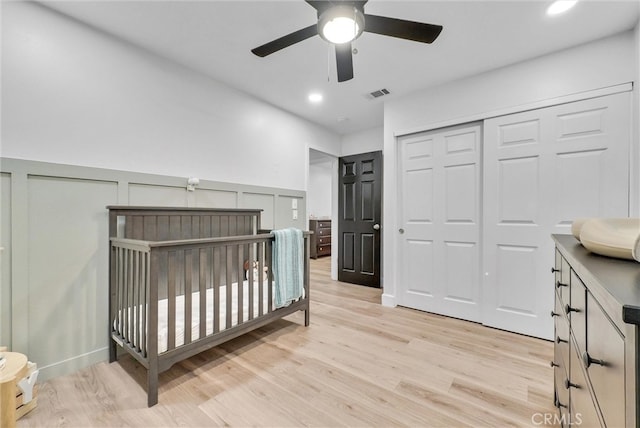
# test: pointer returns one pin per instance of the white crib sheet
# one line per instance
(220, 308)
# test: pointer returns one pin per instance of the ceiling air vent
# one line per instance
(379, 93)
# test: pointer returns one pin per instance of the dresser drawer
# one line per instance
(605, 344)
(323, 240)
(324, 224)
(577, 312)
(324, 250)
(324, 231)
(583, 409)
(560, 373)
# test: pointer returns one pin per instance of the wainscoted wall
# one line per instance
(53, 225)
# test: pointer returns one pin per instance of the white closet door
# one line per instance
(543, 169)
(439, 189)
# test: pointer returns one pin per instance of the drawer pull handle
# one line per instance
(560, 284)
(554, 270)
(554, 364)
(568, 384)
(558, 340)
(586, 358)
(558, 404)
(553, 314)
(569, 309)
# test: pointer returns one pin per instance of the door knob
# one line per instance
(376, 226)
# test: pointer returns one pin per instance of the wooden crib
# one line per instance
(183, 280)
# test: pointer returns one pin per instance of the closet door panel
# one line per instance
(439, 188)
(591, 149)
(542, 170)
(514, 240)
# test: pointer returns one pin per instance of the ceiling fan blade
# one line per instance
(285, 41)
(344, 62)
(319, 5)
(409, 30)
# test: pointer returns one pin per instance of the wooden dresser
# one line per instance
(321, 238)
(597, 313)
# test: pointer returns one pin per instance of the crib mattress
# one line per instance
(218, 309)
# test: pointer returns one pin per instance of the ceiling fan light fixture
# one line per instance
(341, 24)
(560, 6)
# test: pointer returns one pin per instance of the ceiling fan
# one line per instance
(341, 22)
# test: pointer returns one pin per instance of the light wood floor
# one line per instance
(357, 364)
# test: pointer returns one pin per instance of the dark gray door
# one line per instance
(359, 206)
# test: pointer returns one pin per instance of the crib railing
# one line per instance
(146, 272)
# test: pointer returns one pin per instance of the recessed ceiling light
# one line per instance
(560, 6)
(315, 97)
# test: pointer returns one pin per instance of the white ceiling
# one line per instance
(215, 38)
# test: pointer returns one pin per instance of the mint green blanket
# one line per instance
(288, 264)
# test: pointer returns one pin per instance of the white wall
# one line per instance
(369, 140)
(592, 66)
(320, 189)
(77, 96)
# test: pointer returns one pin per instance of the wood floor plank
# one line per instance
(357, 364)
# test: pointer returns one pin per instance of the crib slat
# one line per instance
(229, 284)
(171, 301)
(135, 301)
(142, 293)
(130, 307)
(215, 280)
(118, 296)
(137, 231)
(205, 226)
(233, 225)
(128, 226)
(224, 225)
(162, 228)
(188, 290)
(240, 276)
(145, 300)
(260, 283)
(121, 278)
(185, 226)
(150, 233)
(195, 227)
(174, 227)
(215, 226)
(202, 274)
(250, 280)
(125, 290)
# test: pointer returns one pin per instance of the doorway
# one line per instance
(322, 205)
